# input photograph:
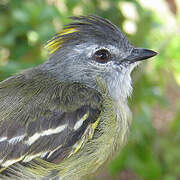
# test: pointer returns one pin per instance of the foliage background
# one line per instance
(153, 151)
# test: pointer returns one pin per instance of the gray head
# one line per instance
(93, 48)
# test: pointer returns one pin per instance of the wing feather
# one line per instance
(43, 122)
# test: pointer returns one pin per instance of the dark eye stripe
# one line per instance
(102, 56)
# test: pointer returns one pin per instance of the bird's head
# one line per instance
(92, 48)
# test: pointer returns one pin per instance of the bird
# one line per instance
(65, 118)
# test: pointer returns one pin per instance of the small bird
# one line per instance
(65, 118)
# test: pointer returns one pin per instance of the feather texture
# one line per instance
(44, 126)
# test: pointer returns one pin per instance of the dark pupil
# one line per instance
(102, 56)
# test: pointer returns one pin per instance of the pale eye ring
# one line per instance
(102, 55)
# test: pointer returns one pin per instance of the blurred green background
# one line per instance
(153, 150)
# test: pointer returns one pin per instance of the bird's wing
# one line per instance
(44, 118)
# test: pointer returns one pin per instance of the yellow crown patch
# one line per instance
(56, 42)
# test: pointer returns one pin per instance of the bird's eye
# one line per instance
(102, 56)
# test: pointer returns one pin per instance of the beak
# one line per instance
(139, 54)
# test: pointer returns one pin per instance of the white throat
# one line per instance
(120, 84)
